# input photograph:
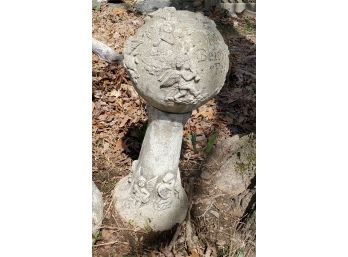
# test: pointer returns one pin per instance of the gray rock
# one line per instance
(177, 60)
(146, 6)
(228, 179)
(236, 165)
(97, 209)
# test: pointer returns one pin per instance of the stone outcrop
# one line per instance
(237, 159)
(230, 171)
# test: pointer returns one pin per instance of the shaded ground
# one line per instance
(119, 124)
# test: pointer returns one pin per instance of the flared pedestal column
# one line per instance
(151, 196)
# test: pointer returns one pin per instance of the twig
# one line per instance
(175, 237)
(168, 250)
(108, 209)
(116, 228)
(209, 251)
(189, 229)
(110, 243)
(208, 198)
(207, 209)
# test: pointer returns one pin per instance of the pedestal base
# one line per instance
(149, 216)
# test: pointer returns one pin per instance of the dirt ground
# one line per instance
(119, 125)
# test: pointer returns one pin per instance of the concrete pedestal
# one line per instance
(152, 196)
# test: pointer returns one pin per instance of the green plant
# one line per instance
(193, 139)
(210, 144)
(95, 237)
(240, 253)
(249, 25)
(96, 5)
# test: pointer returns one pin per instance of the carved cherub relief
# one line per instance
(177, 60)
(165, 191)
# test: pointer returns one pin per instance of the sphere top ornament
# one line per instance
(177, 60)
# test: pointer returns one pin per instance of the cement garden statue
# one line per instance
(177, 60)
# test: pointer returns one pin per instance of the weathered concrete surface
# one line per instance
(151, 196)
(177, 60)
(97, 209)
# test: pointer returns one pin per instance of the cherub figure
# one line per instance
(163, 33)
(140, 192)
(180, 78)
(165, 190)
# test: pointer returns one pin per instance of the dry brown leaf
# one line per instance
(118, 11)
(119, 145)
(124, 121)
(194, 253)
(103, 117)
(206, 112)
(115, 93)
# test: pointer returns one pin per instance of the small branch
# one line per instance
(110, 243)
(173, 241)
(105, 52)
(206, 210)
(210, 251)
(120, 229)
(189, 230)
